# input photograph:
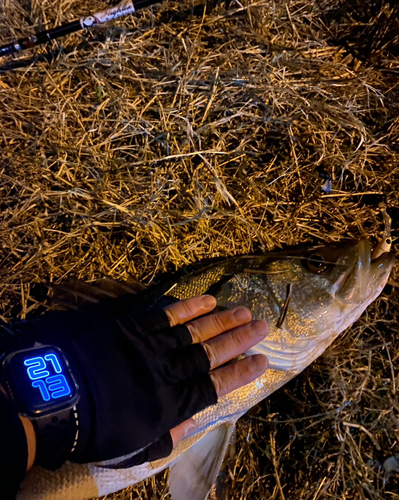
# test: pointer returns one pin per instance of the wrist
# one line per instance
(30, 441)
(30, 436)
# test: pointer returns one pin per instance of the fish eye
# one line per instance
(315, 263)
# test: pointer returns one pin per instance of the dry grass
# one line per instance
(191, 132)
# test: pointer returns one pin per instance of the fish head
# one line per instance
(307, 296)
(330, 284)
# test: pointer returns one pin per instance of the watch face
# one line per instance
(40, 380)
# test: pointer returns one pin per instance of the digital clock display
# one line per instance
(41, 379)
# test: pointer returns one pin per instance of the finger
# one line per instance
(233, 343)
(182, 430)
(197, 359)
(185, 310)
(231, 377)
(205, 328)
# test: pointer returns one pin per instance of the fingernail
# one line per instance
(259, 363)
(208, 301)
(242, 314)
(259, 328)
(190, 428)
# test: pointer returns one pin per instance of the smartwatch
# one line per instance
(43, 388)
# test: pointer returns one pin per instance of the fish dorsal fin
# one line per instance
(193, 474)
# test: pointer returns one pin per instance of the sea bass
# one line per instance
(308, 297)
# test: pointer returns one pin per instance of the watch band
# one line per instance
(56, 437)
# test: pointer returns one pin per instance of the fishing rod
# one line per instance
(124, 8)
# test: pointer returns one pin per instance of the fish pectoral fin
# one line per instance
(193, 474)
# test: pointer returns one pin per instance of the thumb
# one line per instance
(182, 430)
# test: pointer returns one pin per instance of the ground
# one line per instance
(200, 130)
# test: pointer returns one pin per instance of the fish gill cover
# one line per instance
(195, 131)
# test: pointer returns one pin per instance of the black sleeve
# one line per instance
(13, 450)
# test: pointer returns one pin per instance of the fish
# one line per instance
(308, 296)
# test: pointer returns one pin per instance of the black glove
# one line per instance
(138, 377)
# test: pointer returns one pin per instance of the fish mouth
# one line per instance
(373, 273)
(368, 275)
(363, 268)
(344, 289)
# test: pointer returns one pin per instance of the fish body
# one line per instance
(308, 298)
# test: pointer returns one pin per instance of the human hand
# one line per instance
(141, 372)
(224, 335)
